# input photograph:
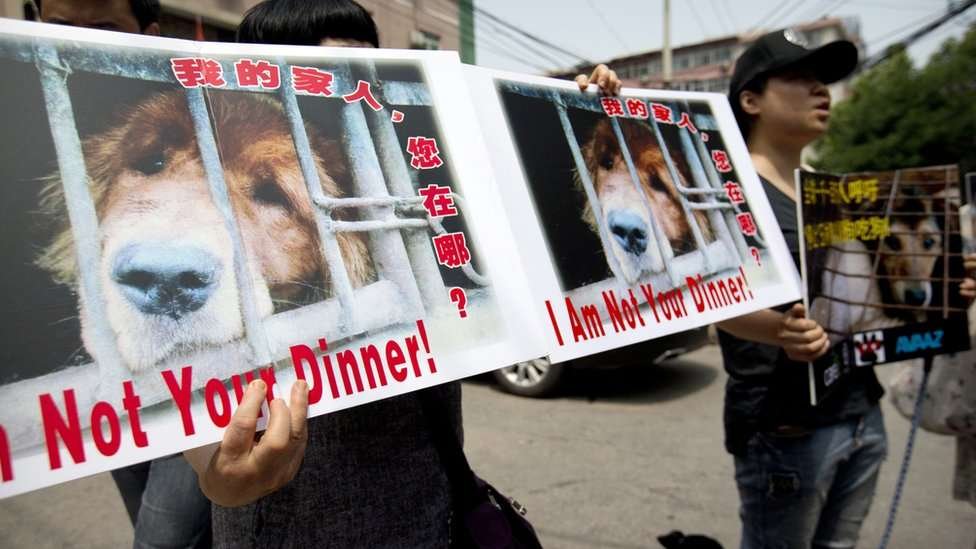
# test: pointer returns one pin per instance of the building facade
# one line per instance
(402, 24)
(707, 66)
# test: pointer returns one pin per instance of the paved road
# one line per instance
(619, 458)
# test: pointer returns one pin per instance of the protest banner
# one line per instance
(637, 216)
(881, 258)
(235, 211)
(182, 217)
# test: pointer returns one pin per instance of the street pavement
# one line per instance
(616, 459)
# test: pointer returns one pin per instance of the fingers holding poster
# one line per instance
(882, 266)
(208, 214)
(651, 217)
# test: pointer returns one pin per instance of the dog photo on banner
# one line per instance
(183, 217)
(882, 264)
(652, 218)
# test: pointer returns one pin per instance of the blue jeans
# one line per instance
(165, 504)
(810, 490)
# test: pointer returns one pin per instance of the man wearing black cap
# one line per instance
(806, 475)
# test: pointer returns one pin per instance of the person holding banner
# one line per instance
(368, 476)
(806, 475)
(161, 497)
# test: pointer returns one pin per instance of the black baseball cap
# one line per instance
(777, 50)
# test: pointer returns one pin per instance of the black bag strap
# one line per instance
(460, 477)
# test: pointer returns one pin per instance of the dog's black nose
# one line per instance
(916, 296)
(164, 279)
(629, 230)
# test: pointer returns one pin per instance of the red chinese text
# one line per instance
(452, 250)
(722, 163)
(747, 224)
(637, 108)
(311, 81)
(424, 153)
(612, 106)
(257, 74)
(734, 192)
(662, 113)
(685, 122)
(363, 93)
(438, 201)
(194, 72)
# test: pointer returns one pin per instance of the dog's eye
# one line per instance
(892, 242)
(606, 162)
(928, 243)
(150, 164)
(268, 191)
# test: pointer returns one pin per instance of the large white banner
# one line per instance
(635, 217)
(181, 217)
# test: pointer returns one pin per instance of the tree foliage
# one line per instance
(898, 116)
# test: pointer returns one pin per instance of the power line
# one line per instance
(769, 15)
(701, 22)
(889, 6)
(608, 26)
(928, 18)
(917, 34)
(524, 43)
(724, 23)
(779, 21)
(728, 9)
(838, 5)
(530, 36)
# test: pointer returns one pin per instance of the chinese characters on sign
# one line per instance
(856, 191)
(828, 233)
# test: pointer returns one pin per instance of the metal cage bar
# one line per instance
(394, 166)
(721, 228)
(715, 179)
(81, 209)
(661, 238)
(587, 182)
(387, 248)
(339, 281)
(210, 156)
(696, 230)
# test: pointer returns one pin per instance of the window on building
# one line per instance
(423, 40)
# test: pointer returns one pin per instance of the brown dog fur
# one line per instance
(148, 183)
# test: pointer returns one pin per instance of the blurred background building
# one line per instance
(707, 66)
(403, 24)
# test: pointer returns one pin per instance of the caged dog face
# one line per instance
(909, 254)
(167, 267)
(625, 216)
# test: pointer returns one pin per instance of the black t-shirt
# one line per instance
(765, 388)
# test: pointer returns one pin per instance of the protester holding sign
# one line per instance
(806, 475)
(369, 476)
(161, 496)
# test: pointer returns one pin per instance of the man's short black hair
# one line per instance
(307, 22)
(146, 12)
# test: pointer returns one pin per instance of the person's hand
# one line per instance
(244, 469)
(803, 339)
(967, 289)
(605, 78)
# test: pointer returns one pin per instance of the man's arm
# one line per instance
(240, 469)
(802, 339)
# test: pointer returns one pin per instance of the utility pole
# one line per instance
(666, 49)
(466, 24)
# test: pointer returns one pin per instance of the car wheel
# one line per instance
(532, 378)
